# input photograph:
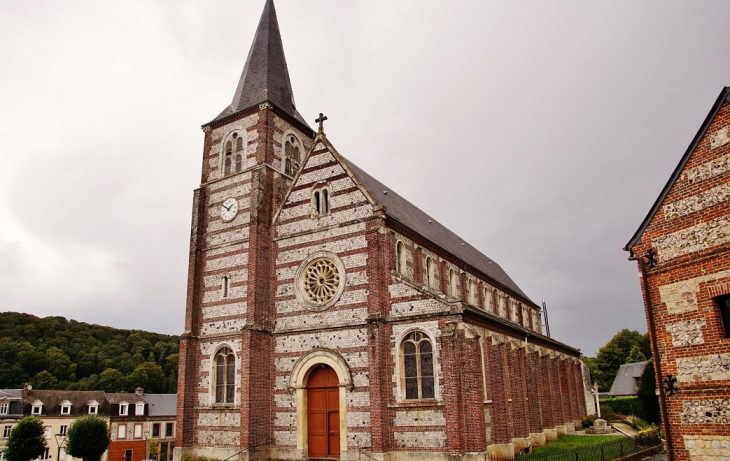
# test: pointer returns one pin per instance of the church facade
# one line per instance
(683, 251)
(328, 317)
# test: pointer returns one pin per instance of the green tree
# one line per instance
(647, 394)
(44, 380)
(60, 365)
(26, 440)
(636, 355)
(88, 438)
(149, 376)
(153, 449)
(615, 353)
(112, 380)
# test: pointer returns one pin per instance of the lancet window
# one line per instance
(225, 375)
(430, 273)
(292, 155)
(417, 366)
(233, 155)
(400, 258)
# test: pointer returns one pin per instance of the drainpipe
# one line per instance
(655, 353)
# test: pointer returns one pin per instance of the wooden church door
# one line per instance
(323, 412)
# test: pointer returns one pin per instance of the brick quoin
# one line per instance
(687, 231)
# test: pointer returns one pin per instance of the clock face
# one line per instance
(229, 209)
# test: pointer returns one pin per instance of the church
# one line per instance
(328, 317)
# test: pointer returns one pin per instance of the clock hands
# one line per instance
(227, 207)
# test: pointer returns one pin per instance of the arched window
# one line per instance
(472, 293)
(233, 155)
(417, 366)
(320, 200)
(430, 273)
(487, 299)
(453, 283)
(400, 258)
(292, 155)
(227, 162)
(225, 375)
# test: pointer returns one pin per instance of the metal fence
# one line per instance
(602, 452)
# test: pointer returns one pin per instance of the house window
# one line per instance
(400, 258)
(453, 283)
(320, 201)
(47, 432)
(65, 407)
(137, 431)
(122, 431)
(37, 408)
(156, 430)
(139, 410)
(417, 365)
(292, 154)
(63, 431)
(123, 409)
(46, 454)
(225, 373)
(724, 303)
(430, 273)
(93, 408)
(6, 431)
(168, 429)
(4, 408)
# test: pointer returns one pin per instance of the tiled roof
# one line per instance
(11, 394)
(115, 398)
(79, 399)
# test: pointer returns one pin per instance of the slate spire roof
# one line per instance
(265, 76)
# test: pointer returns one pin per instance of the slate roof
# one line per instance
(11, 394)
(724, 97)
(265, 76)
(161, 404)
(626, 382)
(410, 216)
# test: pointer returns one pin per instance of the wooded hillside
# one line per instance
(55, 353)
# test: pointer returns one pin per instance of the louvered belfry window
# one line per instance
(292, 153)
(225, 374)
(417, 353)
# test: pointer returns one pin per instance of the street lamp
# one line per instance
(60, 441)
(146, 443)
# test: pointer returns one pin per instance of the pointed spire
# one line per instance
(265, 76)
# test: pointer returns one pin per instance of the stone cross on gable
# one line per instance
(321, 120)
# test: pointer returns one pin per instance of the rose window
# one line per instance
(321, 280)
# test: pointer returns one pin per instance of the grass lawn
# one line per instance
(571, 442)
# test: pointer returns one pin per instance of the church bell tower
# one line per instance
(252, 151)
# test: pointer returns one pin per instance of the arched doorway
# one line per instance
(323, 412)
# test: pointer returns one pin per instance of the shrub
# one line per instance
(648, 437)
(588, 420)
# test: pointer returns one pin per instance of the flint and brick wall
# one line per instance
(689, 234)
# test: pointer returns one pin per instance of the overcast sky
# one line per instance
(540, 131)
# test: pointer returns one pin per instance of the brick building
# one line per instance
(682, 249)
(326, 314)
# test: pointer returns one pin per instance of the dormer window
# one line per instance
(37, 408)
(292, 155)
(123, 409)
(93, 407)
(233, 155)
(321, 200)
(65, 408)
(139, 410)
